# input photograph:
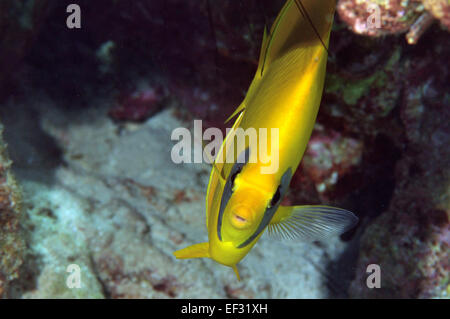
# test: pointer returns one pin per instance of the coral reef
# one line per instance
(104, 195)
(379, 17)
(392, 101)
(410, 241)
(139, 105)
(395, 16)
(329, 157)
(12, 242)
(440, 9)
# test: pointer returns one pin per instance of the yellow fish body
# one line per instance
(243, 199)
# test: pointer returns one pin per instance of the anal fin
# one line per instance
(239, 109)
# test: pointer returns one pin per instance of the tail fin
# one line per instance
(200, 250)
(299, 23)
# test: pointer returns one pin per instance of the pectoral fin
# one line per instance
(310, 222)
(200, 250)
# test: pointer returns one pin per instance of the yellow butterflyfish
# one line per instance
(244, 194)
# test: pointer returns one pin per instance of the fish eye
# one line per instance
(276, 197)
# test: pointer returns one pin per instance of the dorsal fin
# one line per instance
(239, 109)
(268, 37)
(299, 24)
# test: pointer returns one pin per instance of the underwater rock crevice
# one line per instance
(37, 148)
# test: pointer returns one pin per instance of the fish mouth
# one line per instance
(270, 210)
(241, 216)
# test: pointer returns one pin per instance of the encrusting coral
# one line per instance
(383, 17)
(12, 243)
